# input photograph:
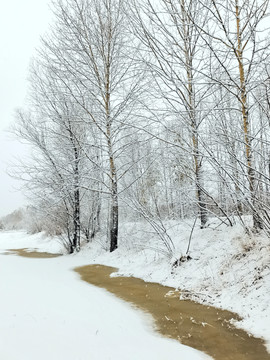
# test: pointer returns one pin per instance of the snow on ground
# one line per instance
(229, 269)
(47, 312)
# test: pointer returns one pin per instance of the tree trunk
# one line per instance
(114, 205)
(201, 203)
(76, 210)
(257, 223)
(77, 230)
(114, 221)
(192, 113)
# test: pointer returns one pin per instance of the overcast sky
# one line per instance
(22, 22)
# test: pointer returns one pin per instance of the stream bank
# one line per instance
(204, 328)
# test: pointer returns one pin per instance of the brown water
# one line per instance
(202, 327)
(30, 254)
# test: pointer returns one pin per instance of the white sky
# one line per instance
(22, 22)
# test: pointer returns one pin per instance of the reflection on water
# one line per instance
(202, 327)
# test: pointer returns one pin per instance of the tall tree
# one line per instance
(167, 30)
(54, 129)
(89, 52)
(234, 35)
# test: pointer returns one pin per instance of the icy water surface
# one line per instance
(30, 254)
(202, 327)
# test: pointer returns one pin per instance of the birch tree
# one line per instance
(60, 140)
(235, 34)
(167, 30)
(89, 53)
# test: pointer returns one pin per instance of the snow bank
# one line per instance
(21, 239)
(47, 312)
(229, 269)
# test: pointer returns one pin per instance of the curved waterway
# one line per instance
(202, 327)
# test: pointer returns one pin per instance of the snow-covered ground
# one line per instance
(228, 269)
(47, 312)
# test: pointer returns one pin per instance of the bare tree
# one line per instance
(89, 53)
(234, 36)
(60, 140)
(167, 30)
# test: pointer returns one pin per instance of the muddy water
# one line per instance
(204, 328)
(30, 254)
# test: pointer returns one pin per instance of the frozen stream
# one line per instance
(48, 313)
(202, 327)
